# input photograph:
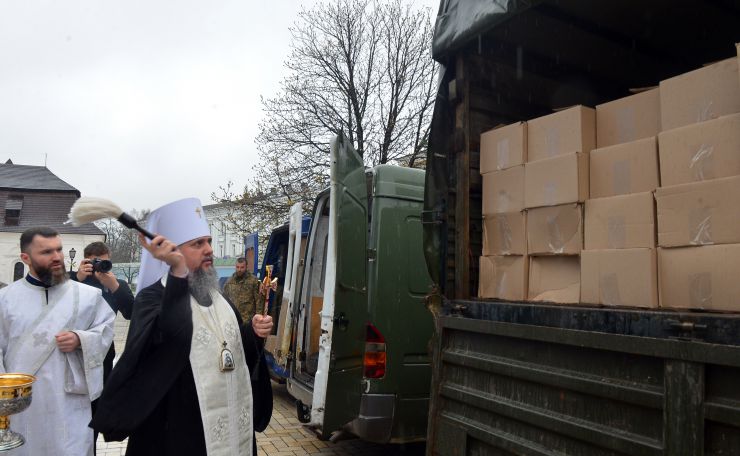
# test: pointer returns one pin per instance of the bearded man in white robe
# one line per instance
(59, 331)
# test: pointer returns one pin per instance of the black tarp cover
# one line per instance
(459, 21)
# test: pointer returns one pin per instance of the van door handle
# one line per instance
(341, 321)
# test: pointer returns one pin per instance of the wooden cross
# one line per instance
(268, 284)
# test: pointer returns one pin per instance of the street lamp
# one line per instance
(72, 253)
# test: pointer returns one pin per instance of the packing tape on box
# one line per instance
(622, 176)
(700, 226)
(549, 191)
(502, 154)
(503, 199)
(504, 231)
(500, 284)
(616, 232)
(552, 141)
(555, 238)
(609, 286)
(626, 124)
(700, 290)
(706, 111)
(702, 163)
(559, 233)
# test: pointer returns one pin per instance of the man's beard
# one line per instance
(48, 276)
(201, 282)
(241, 274)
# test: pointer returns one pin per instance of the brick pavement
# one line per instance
(285, 435)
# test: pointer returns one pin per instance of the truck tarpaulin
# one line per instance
(461, 20)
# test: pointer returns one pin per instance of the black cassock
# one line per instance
(150, 396)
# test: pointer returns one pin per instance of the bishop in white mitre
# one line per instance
(59, 331)
(193, 379)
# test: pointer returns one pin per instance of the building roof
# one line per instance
(43, 208)
(40, 199)
(36, 178)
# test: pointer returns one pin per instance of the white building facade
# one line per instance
(226, 243)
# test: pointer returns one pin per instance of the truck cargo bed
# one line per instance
(538, 379)
(522, 378)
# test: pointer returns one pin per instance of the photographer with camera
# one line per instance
(95, 270)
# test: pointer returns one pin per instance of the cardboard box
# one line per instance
(555, 230)
(703, 94)
(565, 132)
(624, 277)
(505, 234)
(699, 213)
(620, 222)
(503, 147)
(503, 277)
(558, 180)
(700, 277)
(702, 151)
(503, 191)
(625, 168)
(628, 119)
(555, 279)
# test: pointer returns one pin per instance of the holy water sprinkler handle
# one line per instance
(130, 222)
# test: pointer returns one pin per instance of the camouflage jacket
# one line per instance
(244, 293)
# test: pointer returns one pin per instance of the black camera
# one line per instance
(99, 265)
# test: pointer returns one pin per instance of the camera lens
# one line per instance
(101, 265)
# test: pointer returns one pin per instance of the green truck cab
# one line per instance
(355, 336)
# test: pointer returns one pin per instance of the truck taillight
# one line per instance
(374, 362)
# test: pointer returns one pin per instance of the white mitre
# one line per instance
(180, 222)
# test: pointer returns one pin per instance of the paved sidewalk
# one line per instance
(285, 435)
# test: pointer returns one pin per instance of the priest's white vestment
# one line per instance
(56, 423)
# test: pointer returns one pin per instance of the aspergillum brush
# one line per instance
(90, 209)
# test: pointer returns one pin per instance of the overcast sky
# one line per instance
(141, 102)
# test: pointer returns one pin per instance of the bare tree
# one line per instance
(358, 67)
(129, 270)
(362, 68)
(123, 242)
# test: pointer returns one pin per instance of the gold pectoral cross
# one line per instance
(197, 211)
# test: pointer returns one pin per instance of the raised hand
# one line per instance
(165, 250)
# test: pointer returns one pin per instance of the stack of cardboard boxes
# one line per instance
(618, 264)
(677, 146)
(504, 260)
(556, 185)
(698, 203)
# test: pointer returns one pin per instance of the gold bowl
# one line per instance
(15, 397)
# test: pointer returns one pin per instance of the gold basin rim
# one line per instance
(15, 380)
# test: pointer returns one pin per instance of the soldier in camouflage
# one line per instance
(243, 290)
